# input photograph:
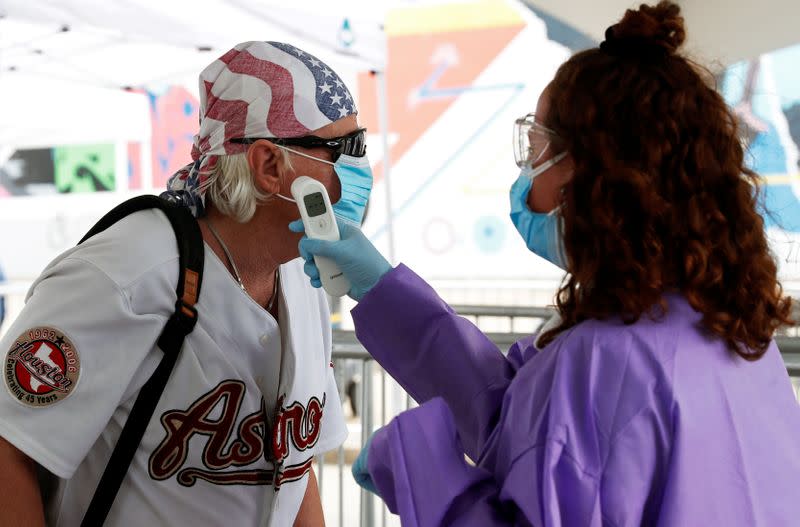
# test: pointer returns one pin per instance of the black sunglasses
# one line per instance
(353, 144)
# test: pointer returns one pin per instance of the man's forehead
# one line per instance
(338, 128)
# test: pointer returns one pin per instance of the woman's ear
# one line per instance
(265, 160)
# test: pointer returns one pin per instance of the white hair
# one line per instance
(232, 189)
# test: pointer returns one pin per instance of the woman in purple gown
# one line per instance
(658, 397)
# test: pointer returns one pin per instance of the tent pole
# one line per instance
(383, 98)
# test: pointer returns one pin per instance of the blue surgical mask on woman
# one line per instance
(355, 177)
(542, 232)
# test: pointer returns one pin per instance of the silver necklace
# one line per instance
(236, 271)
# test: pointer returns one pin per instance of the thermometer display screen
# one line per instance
(315, 204)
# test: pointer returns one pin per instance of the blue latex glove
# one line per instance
(360, 472)
(355, 255)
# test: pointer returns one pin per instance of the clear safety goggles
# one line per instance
(531, 140)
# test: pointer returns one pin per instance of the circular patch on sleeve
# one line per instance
(42, 367)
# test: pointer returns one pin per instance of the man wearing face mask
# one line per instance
(252, 398)
(659, 396)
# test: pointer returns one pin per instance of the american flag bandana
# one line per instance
(257, 89)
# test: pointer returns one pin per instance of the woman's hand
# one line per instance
(361, 471)
(354, 254)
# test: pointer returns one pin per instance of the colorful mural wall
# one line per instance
(456, 83)
(458, 74)
(91, 168)
(174, 117)
(765, 93)
(63, 169)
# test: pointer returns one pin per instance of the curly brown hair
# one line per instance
(660, 199)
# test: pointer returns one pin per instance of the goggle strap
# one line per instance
(547, 164)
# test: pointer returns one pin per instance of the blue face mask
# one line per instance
(355, 176)
(541, 232)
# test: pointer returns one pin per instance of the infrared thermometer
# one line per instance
(320, 223)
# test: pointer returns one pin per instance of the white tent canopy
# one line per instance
(150, 43)
(723, 31)
(64, 64)
(170, 37)
(49, 119)
(720, 32)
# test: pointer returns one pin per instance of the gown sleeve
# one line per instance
(418, 467)
(432, 352)
(576, 434)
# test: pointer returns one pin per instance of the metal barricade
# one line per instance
(372, 413)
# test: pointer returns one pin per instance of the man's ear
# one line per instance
(264, 158)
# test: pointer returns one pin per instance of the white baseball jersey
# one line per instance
(244, 392)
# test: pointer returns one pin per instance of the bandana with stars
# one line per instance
(257, 89)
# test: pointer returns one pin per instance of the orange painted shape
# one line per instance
(409, 60)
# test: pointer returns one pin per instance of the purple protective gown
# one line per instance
(654, 423)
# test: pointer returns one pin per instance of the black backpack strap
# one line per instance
(180, 324)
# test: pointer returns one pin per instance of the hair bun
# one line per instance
(659, 26)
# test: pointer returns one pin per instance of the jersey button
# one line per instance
(264, 340)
